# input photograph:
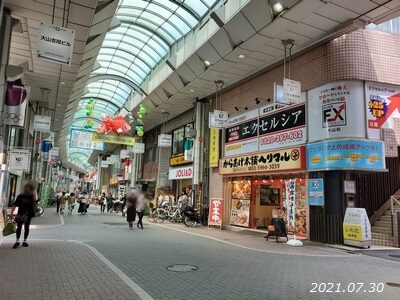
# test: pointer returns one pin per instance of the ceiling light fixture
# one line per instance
(62, 82)
(207, 63)
(191, 91)
(278, 7)
(241, 56)
(58, 104)
(237, 108)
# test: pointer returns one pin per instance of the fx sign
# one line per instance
(334, 114)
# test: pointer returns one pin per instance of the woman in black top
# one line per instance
(26, 210)
(131, 209)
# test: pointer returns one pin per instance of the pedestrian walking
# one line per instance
(140, 205)
(123, 205)
(63, 200)
(110, 202)
(58, 201)
(26, 203)
(131, 209)
(71, 203)
(103, 202)
(82, 204)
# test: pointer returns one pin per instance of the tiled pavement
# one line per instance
(225, 270)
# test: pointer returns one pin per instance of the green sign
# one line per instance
(45, 194)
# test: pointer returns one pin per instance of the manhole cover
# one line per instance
(394, 255)
(182, 268)
(394, 284)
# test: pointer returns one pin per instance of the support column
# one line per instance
(198, 153)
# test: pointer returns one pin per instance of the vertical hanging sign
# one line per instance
(290, 192)
(17, 97)
(214, 147)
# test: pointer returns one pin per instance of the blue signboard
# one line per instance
(316, 192)
(346, 155)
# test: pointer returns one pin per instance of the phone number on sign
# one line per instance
(265, 167)
(352, 287)
(283, 137)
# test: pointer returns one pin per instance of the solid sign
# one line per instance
(17, 97)
(349, 186)
(138, 148)
(292, 159)
(47, 145)
(83, 139)
(55, 44)
(41, 123)
(316, 192)
(214, 147)
(336, 110)
(216, 212)
(104, 164)
(180, 173)
(282, 126)
(218, 119)
(45, 194)
(291, 90)
(54, 152)
(179, 160)
(383, 104)
(19, 160)
(164, 140)
(241, 135)
(346, 155)
(290, 195)
(113, 139)
(280, 98)
(356, 226)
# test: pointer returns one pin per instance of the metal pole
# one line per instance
(197, 166)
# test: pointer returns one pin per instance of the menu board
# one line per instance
(240, 206)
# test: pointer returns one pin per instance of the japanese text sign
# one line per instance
(282, 126)
(290, 193)
(241, 135)
(216, 212)
(55, 44)
(316, 192)
(356, 225)
(113, 139)
(383, 104)
(218, 119)
(336, 110)
(83, 139)
(41, 123)
(291, 90)
(291, 159)
(346, 155)
(214, 147)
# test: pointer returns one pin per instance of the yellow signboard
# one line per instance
(352, 232)
(113, 139)
(284, 160)
(214, 147)
(179, 160)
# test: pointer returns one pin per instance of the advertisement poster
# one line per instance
(316, 192)
(292, 159)
(19, 160)
(15, 102)
(241, 135)
(282, 126)
(240, 206)
(346, 155)
(113, 139)
(336, 110)
(301, 209)
(83, 139)
(356, 225)
(216, 212)
(290, 204)
(44, 194)
(383, 104)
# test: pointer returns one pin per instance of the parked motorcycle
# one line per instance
(192, 217)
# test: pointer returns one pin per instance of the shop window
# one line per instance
(178, 140)
(150, 155)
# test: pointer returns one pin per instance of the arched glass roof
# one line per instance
(148, 30)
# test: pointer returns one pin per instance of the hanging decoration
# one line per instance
(89, 113)
(117, 125)
(140, 114)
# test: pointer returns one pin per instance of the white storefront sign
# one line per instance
(279, 96)
(291, 90)
(104, 164)
(164, 140)
(218, 119)
(83, 139)
(55, 44)
(41, 123)
(138, 148)
(336, 110)
(181, 173)
(382, 106)
(19, 160)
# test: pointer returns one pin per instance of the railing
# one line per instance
(393, 201)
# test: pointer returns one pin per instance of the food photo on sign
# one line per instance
(240, 204)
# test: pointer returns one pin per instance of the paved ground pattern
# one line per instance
(230, 265)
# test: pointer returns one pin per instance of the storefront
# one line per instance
(265, 185)
(181, 178)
